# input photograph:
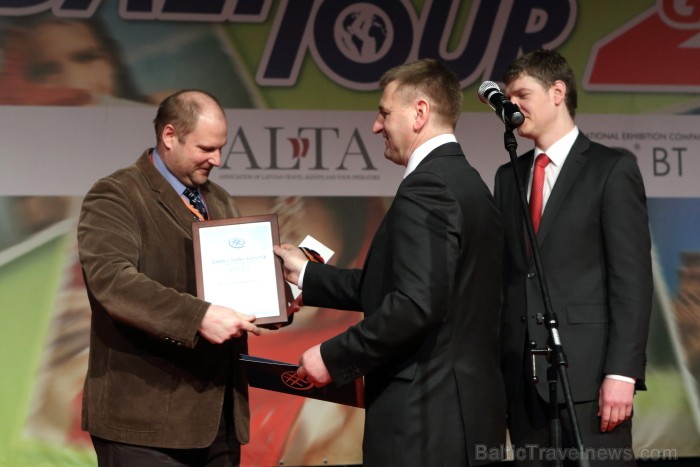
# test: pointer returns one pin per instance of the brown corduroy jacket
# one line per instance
(152, 380)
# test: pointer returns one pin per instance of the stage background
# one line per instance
(299, 81)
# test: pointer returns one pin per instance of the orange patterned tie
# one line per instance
(196, 200)
(537, 187)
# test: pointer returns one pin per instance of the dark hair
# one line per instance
(435, 80)
(182, 110)
(546, 66)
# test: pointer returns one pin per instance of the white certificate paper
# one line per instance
(237, 268)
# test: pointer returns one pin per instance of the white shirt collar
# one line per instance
(424, 149)
(558, 151)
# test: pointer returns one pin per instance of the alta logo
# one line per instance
(655, 52)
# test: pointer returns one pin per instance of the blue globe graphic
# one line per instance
(363, 35)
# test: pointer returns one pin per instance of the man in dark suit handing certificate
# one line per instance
(588, 207)
(429, 290)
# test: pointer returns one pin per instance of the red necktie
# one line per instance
(537, 187)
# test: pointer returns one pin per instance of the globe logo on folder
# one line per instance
(292, 380)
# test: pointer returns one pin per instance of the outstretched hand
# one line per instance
(221, 324)
(313, 369)
(293, 260)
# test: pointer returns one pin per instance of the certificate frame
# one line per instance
(249, 263)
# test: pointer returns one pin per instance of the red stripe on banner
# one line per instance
(651, 53)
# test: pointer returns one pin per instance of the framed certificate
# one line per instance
(236, 267)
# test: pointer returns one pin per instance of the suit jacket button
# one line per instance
(523, 319)
(530, 275)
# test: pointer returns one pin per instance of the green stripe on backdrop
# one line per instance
(28, 285)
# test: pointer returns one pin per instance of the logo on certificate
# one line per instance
(236, 242)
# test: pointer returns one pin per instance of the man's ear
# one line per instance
(558, 90)
(422, 112)
(169, 136)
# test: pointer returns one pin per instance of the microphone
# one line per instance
(490, 93)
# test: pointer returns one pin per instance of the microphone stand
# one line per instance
(554, 351)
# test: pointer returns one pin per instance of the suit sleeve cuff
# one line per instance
(622, 378)
(301, 276)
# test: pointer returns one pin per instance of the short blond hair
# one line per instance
(432, 78)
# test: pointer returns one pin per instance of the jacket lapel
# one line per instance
(215, 206)
(523, 165)
(572, 166)
(170, 202)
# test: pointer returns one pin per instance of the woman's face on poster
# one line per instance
(68, 55)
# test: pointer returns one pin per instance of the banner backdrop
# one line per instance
(79, 81)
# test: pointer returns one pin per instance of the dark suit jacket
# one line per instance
(595, 248)
(427, 345)
(151, 379)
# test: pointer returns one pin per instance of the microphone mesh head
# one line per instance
(486, 86)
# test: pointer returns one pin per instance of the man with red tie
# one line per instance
(588, 207)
